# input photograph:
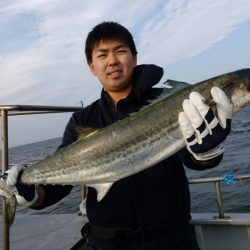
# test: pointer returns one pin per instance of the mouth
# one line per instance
(114, 74)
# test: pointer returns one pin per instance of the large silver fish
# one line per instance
(134, 143)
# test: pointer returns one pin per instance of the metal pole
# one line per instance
(5, 229)
(83, 192)
(219, 200)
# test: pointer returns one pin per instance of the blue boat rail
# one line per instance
(12, 110)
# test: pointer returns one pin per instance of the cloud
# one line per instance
(183, 29)
(45, 61)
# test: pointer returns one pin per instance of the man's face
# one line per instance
(113, 63)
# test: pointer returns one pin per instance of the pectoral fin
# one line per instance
(101, 189)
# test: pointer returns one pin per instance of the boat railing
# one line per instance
(227, 179)
(12, 110)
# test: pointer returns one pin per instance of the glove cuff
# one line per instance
(213, 153)
(23, 202)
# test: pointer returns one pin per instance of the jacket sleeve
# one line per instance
(192, 163)
(70, 134)
(54, 193)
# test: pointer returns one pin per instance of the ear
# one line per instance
(92, 68)
(135, 60)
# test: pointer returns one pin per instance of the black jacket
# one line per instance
(158, 196)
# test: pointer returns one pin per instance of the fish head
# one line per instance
(241, 97)
(237, 89)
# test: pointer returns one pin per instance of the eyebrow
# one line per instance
(115, 48)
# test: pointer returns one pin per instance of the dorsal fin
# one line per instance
(173, 86)
(170, 87)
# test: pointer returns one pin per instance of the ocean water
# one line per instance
(236, 198)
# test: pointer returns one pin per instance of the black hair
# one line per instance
(108, 31)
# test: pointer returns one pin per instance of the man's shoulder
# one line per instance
(82, 116)
(92, 106)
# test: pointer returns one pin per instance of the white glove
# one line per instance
(25, 194)
(203, 131)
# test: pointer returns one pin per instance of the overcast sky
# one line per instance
(42, 49)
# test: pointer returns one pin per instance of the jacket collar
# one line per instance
(145, 76)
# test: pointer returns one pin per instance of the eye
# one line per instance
(103, 55)
(121, 51)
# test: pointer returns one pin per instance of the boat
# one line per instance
(214, 231)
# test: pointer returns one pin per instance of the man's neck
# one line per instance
(116, 96)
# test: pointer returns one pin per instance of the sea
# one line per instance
(236, 161)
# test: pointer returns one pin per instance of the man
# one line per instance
(151, 209)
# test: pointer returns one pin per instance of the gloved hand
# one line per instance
(203, 131)
(25, 194)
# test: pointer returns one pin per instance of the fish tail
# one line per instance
(11, 210)
(10, 202)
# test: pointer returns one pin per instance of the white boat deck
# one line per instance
(232, 233)
(62, 231)
(45, 232)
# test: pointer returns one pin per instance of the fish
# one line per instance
(141, 140)
(8, 194)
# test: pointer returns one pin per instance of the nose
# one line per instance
(113, 60)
